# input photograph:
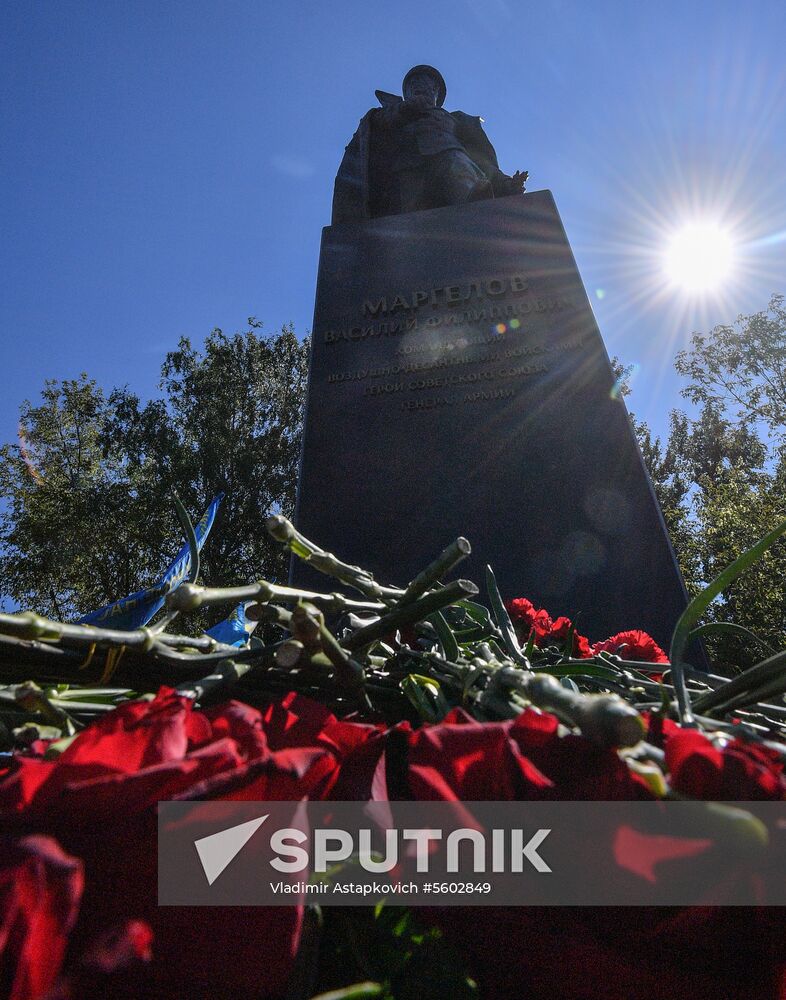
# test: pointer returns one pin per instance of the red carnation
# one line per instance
(526, 618)
(559, 634)
(632, 645)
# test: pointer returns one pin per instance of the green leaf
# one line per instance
(475, 634)
(426, 696)
(447, 640)
(57, 747)
(402, 924)
(699, 605)
(469, 679)
(501, 616)
(729, 628)
(92, 693)
(477, 612)
(496, 649)
(354, 992)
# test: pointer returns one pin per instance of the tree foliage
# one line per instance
(741, 367)
(87, 514)
(720, 476)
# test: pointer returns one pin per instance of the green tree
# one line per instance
(741, 367)
(734, 497)
(87, 514)
(686, 471)
(737, 375)
(720, 489)
(733, 512)
(69, 532)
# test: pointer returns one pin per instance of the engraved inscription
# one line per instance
(452, 354)
(446, 294)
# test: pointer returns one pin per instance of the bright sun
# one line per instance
(699, 257)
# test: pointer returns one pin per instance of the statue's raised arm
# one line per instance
(410, 154)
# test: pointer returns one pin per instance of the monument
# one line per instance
(411, 154)
(459, 384)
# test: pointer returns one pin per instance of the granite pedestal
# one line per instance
(459, 386)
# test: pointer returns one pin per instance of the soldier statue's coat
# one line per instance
(363, 187)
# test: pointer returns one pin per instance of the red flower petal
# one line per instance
(40, 890)
(737, 772)
(559, 634)
(632, 645)
(136, 734)
(470, 761)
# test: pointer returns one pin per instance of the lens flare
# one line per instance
(625, 379)
(699, 257)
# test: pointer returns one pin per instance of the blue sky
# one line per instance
(169, 165)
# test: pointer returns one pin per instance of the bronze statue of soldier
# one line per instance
(411, 154)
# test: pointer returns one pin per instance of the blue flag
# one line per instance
(234, 630)
(137, 609)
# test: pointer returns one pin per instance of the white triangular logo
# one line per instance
(216, 851)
